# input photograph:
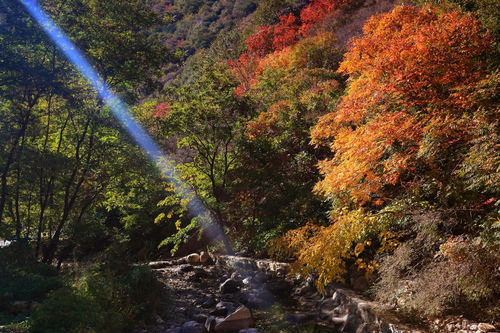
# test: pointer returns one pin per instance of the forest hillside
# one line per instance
(357, 140)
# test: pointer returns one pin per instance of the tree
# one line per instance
(412, 72)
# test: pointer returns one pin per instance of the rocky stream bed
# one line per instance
(238, 294)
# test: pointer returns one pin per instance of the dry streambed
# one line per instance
(238, 294)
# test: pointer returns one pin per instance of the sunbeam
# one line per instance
(122, 113)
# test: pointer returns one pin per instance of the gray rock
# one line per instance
(260, 278)
(299, 318)
(200, 317)
(19, 306)
(210, 324)
(208, 303)
(229, 286)
(192, 327)
(174, 330)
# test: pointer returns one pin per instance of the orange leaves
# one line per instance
(418, 56)
(266, 122)
(410, 72)
(162, 110)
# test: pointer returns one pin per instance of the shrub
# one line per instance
(65, 311)
(427, 276)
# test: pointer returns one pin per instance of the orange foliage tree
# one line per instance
(412, 73)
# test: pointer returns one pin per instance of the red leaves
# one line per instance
(162, 110)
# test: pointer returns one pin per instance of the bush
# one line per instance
(100, 300)
(65, 311)
(434, 274)
(128, 297)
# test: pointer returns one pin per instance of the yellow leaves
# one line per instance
(323, 249)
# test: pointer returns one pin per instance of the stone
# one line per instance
(208, 303)
(192, 327)
(279, 287)
(174, 330)
(200, 317)
(260, 278)
(229, 286)
(210, 324)
(299, 318)
(183, 268)
(473, 327)
(158, 319)
(19, 306)
(204, 257)
(240, 319)
(485, 327)
(222, 309)
(193, 258)
(246, 281)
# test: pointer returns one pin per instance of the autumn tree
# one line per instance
(411, 72)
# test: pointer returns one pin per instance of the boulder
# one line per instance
(246, 281)
(240, 319)
(485, 327)
(299, 318)
(229, 286)
(193, 258)
(204, 257)
(192, 327)
(208, 303)
(260, 278)
(19, 306)
(222, 309)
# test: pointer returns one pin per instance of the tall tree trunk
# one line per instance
(8, 164)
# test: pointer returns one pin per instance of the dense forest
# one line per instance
(358, 140)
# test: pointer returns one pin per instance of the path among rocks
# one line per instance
(226, 294)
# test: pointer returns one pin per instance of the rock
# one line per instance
(192, 327)
(183, 268)
(260, 278)
(174, 330)
(240, 319)
(229, 286)
(473, 327)
(249, 330)
(204, 257)
(158, 319)
(485, 327)
(19, 306)
(279, 287)
(258, 299)
(210, 324)
(8, 296)
(193, 258)
(200, 317)
(299, 318)
(222, 309)
(246, 281)
(208, 303)
(235, 276)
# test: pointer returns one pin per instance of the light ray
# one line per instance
(122, 113)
